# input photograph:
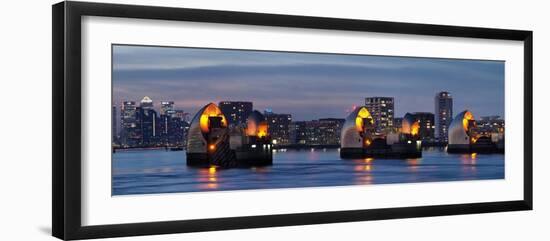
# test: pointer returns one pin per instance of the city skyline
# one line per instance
(158, 109)
(308, 86)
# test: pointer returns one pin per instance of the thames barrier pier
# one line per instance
(211, 141)
(359, 139)
(465, 137)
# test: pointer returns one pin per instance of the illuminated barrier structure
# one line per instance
(409, 144)
(210, 142)
(410, 128)
(357, 133)
(255, 148)
(406, 143)
(208, 139)
(360, 140)
(463, 137)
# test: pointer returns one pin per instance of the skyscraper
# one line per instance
(146, 103)
(177, 134)
(443, 115)
(167, 114)
(236, 112)
(164, 126)
(182, 115)
(166, 108)
(114, 133)
(382, 111)
(128, 123)
(147, 122)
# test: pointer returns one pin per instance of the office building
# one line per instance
(146, 103)
(490, 124)
(236, 112)
(147, 122)
(166, 108)
(128, 125)
(330, 130)
(426, 129)
(297, 133)
(114, 133)
(279, 127)
(443, 115)
(397, 123)
(382, 111)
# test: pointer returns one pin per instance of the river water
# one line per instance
(160, 171)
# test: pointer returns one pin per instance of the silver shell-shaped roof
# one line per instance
(350, 135)
(457, 133)
(196, 140)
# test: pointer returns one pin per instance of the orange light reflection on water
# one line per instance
(208, 178)
(413, 164)
(363, 170)
(365, 179)
(469, 161)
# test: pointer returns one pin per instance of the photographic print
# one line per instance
(203, 119)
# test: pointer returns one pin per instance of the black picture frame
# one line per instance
(66, 159)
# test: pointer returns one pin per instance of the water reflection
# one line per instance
(313, 155)
(413, 164)
(208, 178)
(362, 170)
(364, 180)
(161, 171)
(469, 162)
(260, 169)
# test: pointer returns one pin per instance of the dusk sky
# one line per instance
(306, 85)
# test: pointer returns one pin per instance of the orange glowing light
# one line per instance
(256, 129)
(367, 142)
(410, 125)
(415, 128)
(361, 115)
(211, 110)
(212, 147)
(251, 128)
(212, 170)
(465, 121)
(262, 129)
(368, 160)
(473, 155)
(368, 168)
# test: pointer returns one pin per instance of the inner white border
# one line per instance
(98, 33)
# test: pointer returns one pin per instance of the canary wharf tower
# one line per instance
(443, 115)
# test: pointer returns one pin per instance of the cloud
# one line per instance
(309, 86)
